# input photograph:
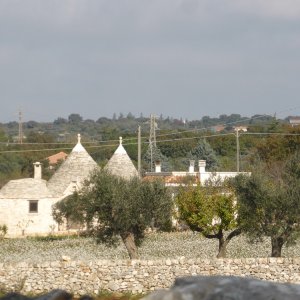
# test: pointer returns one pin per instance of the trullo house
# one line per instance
(26, 204)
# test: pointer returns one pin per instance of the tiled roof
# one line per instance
(53, 159)
(120, 164)
(28, 188)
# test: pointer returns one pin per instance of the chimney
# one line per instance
(157, 166)
(202, 165)
(192, 166)
(37, 170)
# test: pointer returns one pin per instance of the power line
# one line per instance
(153, 124)
(157, 141)
(57, 143)
(211, 127)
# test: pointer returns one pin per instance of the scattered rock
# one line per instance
(65, 258)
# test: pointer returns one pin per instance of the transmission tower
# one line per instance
(20, 127)
(152, 138)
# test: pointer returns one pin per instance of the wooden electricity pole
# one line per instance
(139, 151)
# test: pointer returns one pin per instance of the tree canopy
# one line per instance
(110, 207)
(203, 151)
(210, 210)
(269, 202)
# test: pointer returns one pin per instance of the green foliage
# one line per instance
(74, 118)
(277, 147)
(174, 153)
(269, 202)
(111, 207)
(203, 151)
(207, 208)
(156, 156)
(52, 238)
(35, 137)
(3, 137)
(210, 210)
(3, 231)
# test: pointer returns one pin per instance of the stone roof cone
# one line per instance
(120, 164)
(75, 169)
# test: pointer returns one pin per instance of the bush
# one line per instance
(3, 231)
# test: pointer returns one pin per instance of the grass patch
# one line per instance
(51, 238)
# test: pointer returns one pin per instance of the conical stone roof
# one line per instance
(120, 164)
(75, 169)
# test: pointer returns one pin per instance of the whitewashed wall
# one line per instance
(14, 213)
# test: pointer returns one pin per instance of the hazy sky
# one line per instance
(181, 58)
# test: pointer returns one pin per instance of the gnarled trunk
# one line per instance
(224, 242)
(222, 247)
(277, 244)
(128, 240)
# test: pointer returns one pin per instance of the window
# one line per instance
(33, 206)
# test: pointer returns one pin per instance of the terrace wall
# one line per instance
(137, 275)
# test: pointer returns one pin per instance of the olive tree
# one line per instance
(211, 210)
(269, 203)
(110, 207)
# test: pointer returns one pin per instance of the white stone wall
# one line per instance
(14, 213)
(137, 275)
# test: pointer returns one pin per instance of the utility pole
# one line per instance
(20, 128)
(139, 151)
(237, 150)
(152, 138)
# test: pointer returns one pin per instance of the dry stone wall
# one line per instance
(137, 275)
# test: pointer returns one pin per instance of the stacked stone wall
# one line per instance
(137, 275)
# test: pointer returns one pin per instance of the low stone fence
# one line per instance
(137, 275)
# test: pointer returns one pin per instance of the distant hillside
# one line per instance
(65, 130)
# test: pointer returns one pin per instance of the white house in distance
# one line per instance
(26, 204)
(176, 178)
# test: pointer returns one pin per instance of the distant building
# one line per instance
(177, 178)
(56, 158)
(218, 128)
(294, 121)
(240, 128)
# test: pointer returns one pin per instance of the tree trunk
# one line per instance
(128, 240)
(222, 247)
(277, 244)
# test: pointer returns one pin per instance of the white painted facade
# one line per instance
(15, 214)
(201, 176)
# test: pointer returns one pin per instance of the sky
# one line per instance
(178, 58)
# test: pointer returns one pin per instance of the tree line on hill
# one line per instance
(176, 142)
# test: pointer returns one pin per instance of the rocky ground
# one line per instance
(155, 246)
